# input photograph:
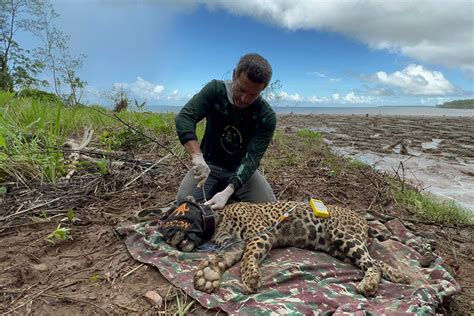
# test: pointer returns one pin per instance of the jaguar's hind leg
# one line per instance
(209, 272)
(360, 256)
(370, 283)
(255, 251)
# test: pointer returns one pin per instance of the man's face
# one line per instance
(244, 90)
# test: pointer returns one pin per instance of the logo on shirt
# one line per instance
(231, 140)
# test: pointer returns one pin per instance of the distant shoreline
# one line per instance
(423, 111)
(458, 104)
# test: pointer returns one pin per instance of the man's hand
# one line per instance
(219, 200)
(200, 168)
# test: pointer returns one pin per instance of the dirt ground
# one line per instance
(92, 273)
(436, 152)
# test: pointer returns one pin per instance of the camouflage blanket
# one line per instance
(296, 281)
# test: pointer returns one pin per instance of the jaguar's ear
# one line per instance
(190, 198)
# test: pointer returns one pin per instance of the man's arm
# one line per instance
(193, 112)
(192, 147)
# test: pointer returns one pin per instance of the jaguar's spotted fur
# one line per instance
(343, 234)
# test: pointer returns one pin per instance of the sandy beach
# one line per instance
(436, 153)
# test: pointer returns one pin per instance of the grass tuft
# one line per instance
(433, 208)
(309, 135)
(32, 132)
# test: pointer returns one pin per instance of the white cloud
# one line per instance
(438, 100)
(93, 91)
(145, 90)
(317, 74)
(322, 74)
(284, 96)
(319, 100)
(415, 80)
(382, 91)
(430, 31)
(336, 98)
(294, 97)
(174, 95)
(352, 98)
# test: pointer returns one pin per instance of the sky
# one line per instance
(324, 53)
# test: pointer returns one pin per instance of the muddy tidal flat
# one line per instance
(436, 153)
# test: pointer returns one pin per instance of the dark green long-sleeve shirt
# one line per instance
(235, 139)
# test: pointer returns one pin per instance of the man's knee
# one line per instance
(256, 190)
(186, 188)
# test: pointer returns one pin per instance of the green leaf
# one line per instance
(95, 278)
(60, 234)
(70, 215)
(3, 142)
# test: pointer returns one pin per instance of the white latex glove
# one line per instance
(200, 168)
(219, 200)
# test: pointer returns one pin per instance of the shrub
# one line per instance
(39, 95)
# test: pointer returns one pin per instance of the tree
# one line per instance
(272, 91)
(55, 52)
(17, 66)
(25, 68)
(68, 66)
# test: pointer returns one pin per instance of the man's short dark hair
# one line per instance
(257, 68)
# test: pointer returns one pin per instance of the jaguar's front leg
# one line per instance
(209, 272)
(255, 251)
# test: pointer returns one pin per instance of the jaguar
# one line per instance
(246, 232)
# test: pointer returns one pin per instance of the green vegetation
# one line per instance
(95, 278)
(356, 164)
(183, 306)
(59, 234)
(39, 95)
(70, 215)
(33, 131)
(458, 104)
(309, 135)
(432, 208)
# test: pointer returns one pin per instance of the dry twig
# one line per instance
(28, 210)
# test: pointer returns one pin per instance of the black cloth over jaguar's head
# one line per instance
(189, 221)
